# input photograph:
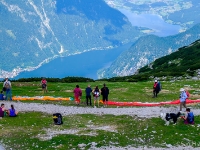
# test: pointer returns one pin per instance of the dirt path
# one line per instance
(147, 112)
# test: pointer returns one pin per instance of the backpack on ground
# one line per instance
(57, 118)
(190, 117)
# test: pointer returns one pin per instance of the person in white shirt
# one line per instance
(183, 97)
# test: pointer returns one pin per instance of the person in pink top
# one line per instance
(77, 94)
(44, 85)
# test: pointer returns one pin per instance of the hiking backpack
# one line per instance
(57, 118)
(7, 85)
(159, 86)
(188, 94)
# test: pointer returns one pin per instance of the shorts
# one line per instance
(44, 86)
(96, 98)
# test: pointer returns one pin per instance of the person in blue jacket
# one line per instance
(2, 97)
(189, 117)
(88, 91)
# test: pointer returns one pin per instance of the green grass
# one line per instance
(28, 130)
(119, 91)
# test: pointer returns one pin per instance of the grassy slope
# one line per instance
(119, 91)
(25, 131)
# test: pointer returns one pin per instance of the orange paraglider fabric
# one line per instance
(41, 98)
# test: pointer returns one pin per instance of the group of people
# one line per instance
(7, 88)
(183, 95)
(96, 92)
(188, 117)
(10, 112)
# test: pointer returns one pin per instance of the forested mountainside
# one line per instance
(182, 63)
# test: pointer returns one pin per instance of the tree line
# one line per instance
(63, 80)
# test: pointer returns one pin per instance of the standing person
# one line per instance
(77, 94)
(183, 97)
(7, 87)
(88, 90)
(96, 93)
(187, 93)
(156, 88)
(105, 93)
(2, 97)
(12, 112)
(44, 85)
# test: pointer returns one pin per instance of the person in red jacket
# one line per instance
(77, 94)
(156, 88)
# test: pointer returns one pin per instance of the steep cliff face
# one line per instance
(34, 32)
(146, 50)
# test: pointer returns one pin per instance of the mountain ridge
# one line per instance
(184, 60)
(181, 64)
(147, 49)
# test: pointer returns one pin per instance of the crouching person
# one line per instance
(189, 117)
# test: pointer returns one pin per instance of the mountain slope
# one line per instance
(185, 60)
(34, 32)
(146, 50)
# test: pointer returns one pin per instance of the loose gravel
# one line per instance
(147, 112)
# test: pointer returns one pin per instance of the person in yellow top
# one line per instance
(96, 93)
